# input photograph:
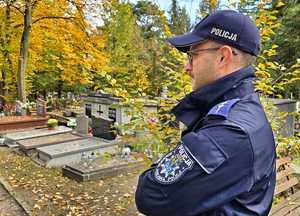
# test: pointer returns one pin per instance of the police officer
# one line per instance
(225, 162)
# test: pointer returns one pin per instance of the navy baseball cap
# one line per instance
(225, 26)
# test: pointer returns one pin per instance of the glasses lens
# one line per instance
(190, 58)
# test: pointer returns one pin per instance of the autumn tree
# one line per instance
(208, 6)
(7, 78)
(124, 46)
(288, 43)
(179, 22)
(66, 51)
(149, 18)
(69, 53)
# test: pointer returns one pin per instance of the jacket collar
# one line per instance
(195, 105)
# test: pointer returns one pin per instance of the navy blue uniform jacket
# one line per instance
(225, 162)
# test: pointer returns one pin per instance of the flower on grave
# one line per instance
(52, 123)
(30, 105)
(9, 107)
(153, 120)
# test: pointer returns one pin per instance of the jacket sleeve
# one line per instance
(206, 170)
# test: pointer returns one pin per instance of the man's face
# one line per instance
(202, 69)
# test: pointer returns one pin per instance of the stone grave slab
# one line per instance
(28, 144)
(102, 167)
(13, 137)
(70, 152)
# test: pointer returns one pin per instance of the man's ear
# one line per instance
(225, 55)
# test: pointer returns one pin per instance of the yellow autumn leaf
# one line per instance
(280, 4)
(261, 66)
(271, 65)
(36, 206)
(113, 81)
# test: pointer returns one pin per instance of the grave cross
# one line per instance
(99, 111)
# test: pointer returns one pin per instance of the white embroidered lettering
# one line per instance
(213, 30)
(223, 33)
(234, 37)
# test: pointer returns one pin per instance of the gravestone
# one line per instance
(41, 107)
(287, 127)
(103, 128)
(102, 167)
(70, 152)
(20, 108)
(33, 143)
(82, 124)
(2, 141)
(27, 134)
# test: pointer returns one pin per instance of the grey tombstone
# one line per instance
(28, 134)
(101, 168)
(41, 107)
(2, 141)
(82, 124)
(69, 152)
(20, 108)
(288, 124)
(29, 144)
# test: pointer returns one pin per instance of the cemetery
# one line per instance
(91, 151)
(72, 151)
(89, 89)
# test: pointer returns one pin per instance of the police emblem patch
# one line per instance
(173, 166)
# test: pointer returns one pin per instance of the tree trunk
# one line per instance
(59, 88)
(2, 88)
(7, 66)
(24, 52)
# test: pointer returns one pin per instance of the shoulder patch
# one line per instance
(223, 109)
(173, 166)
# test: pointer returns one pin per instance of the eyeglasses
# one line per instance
(195, 51)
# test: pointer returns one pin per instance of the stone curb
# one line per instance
(16, 197)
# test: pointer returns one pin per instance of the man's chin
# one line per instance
(194, 85)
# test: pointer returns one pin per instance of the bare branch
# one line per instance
(18, 9)
(17, 26)
(51, 17)
(47, 17)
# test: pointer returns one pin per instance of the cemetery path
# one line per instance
(8, 206)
